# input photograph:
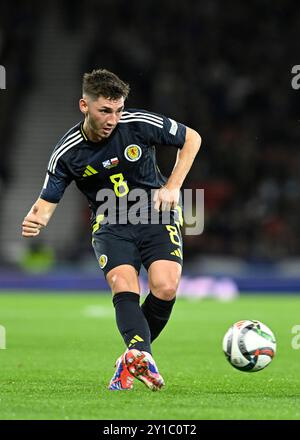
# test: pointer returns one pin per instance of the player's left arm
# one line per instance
(167, 197)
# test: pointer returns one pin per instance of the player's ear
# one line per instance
(83, 105)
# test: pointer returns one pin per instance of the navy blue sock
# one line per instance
(157, 312)
(131, 321)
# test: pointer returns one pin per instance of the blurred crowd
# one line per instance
(223, 69)
(226, 71)
(18, 37)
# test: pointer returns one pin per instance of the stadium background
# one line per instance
(225, 71)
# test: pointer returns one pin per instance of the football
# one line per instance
(249, 345)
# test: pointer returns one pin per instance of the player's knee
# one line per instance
(165, 290)
(118, 282)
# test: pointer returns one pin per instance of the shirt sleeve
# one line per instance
(55, 183)
(165, 131)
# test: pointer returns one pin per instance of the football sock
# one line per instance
(131, 321)
(157, 312)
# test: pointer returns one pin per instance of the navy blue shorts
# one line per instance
(137, 244)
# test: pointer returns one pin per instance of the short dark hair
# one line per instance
(102, 82)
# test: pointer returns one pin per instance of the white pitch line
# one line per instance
(96, 311)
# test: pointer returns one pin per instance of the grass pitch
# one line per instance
(61, 351)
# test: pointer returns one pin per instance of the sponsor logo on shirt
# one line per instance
(89, 171)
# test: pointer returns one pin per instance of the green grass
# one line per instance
(60, 357)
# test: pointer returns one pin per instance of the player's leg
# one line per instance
(120, 261)
(163, 279)
(124, 284)
(134, 328)
(131, 322)
(162, 257)
(123, 278)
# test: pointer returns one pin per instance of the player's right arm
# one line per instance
(56, 181)
(37, 218)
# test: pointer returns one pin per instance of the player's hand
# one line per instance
(32, 223)
(166, 199)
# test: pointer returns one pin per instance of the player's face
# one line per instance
(102, 115)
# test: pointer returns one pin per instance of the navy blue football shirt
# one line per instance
(123, 162)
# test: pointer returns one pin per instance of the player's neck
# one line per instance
(90, 133)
